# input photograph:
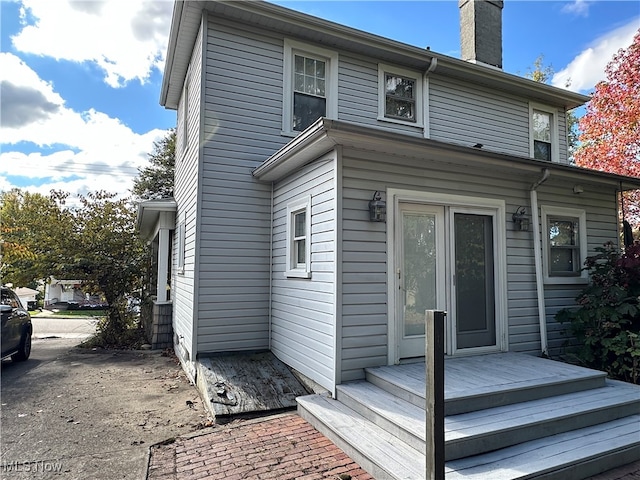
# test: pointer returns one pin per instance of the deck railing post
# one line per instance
(434, 361)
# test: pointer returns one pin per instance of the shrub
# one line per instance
(606, 323)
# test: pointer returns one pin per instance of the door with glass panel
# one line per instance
(420, 273)
(446, 261)
(473, 311)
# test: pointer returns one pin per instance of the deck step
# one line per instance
(374, 449)
(472, 384)
(491, 429)
(574, 454)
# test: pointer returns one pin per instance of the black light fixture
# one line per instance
(377, 208)
(520, 219)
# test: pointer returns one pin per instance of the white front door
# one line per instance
(446, 260)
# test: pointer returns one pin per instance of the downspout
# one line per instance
(537, 254)
(270, 266)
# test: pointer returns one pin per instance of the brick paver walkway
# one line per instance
(282, 447)
(276, 447)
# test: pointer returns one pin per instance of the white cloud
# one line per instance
(126, 39)
(577, 7)
(83, 151)
(588, 68)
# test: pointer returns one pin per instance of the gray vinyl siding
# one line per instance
(186, 194)
(601, 214)
(242, 124)
(364, 290)
(303, 311)
(469, 114)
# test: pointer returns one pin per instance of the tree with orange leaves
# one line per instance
(610, 129)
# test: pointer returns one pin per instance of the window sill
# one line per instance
(565, 280)
(400, 122)
(297, 274)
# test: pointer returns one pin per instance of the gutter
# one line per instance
(173, 40)
(537, 254)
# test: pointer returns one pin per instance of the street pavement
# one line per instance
(90, 414)
(97, 414)
(47, 325)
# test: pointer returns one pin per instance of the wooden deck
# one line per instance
(246, 383)
(509, 416)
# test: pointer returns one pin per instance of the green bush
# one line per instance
(606, 323)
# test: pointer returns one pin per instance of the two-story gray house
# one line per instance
(332, 185)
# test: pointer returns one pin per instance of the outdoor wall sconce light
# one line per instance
(377, 208)
(520, 219)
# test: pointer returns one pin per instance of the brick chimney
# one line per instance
(481, 31)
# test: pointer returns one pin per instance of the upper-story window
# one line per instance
(310, 85)
(543, 133)
(399, 95)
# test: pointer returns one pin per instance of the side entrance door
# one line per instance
(446, 260)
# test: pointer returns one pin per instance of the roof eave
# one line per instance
(325, 135)
(340, 36)
(149, 213)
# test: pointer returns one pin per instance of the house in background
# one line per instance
(27, 297)
(332, 185)
(63, 291)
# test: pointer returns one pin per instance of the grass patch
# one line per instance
(81, 313)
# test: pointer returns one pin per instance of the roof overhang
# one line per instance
(324, 135)
(154, 215)
(186, 22)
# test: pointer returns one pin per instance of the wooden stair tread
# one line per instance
(394, 457)
(542, 456)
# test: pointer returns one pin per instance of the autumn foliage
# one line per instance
(610, 138)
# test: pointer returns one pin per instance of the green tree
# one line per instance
(93, 240)
(544, 73)
(31, 226)
(107, 253)
(156, 180)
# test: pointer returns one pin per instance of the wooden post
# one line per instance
(434, 361)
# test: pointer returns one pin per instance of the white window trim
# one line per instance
(420, 89)
(185, 112)
(292, 271)
(555, 149)
(569, 213)
(292, 47)
(180, 247)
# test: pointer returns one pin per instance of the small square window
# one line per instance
(298, 261)
(564, 244)
(400, 95)
(564, 249)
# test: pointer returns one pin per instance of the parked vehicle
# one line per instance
(16, 327)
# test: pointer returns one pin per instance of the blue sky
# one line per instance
(81, 78)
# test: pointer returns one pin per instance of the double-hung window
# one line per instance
(564, 244)
(298, 263)
(399, 95)
(309, 90)
(543, 133)
(310, 86)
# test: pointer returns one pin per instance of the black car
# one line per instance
(16, 327)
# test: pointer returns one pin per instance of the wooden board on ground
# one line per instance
(240, 384)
